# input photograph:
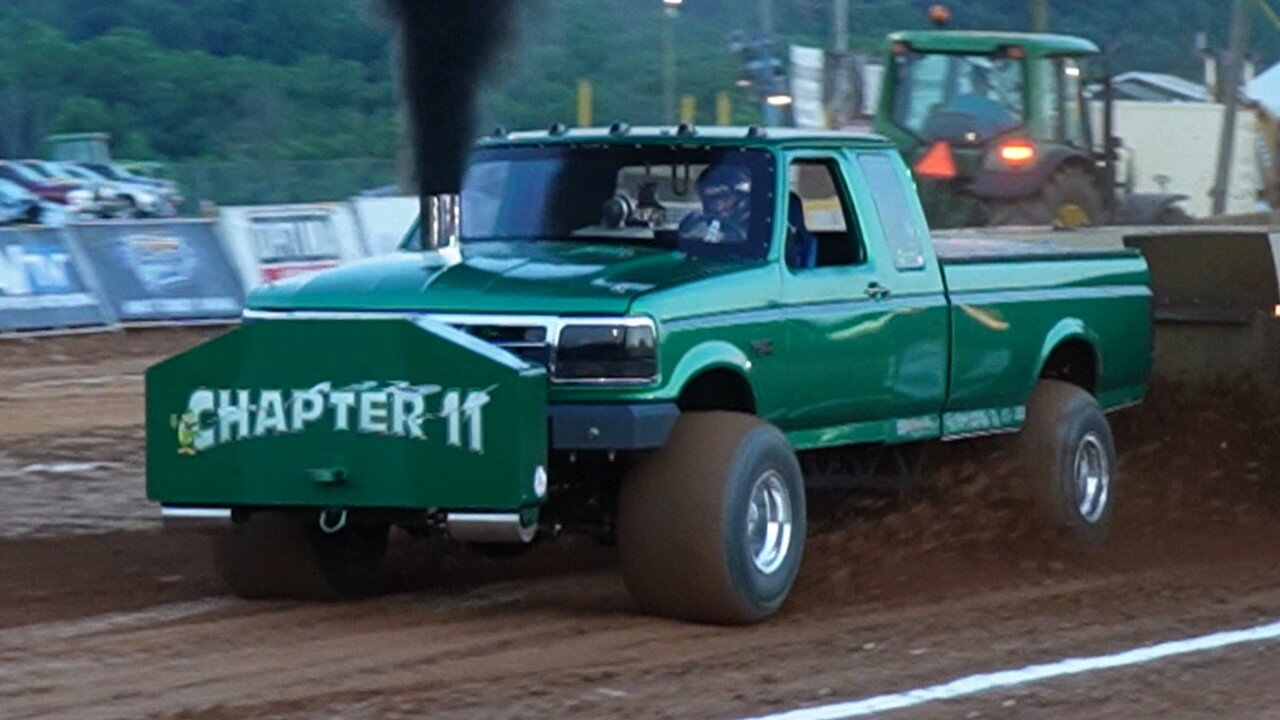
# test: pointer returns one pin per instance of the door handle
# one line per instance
(876, 291)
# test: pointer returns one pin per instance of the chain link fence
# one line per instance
(262, 182)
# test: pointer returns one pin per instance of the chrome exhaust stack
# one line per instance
(489, 528)
(442, 221)
(440, 229)
(187, 518)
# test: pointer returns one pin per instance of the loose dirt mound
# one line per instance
(1190, 466)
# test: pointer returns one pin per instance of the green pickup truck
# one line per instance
(658, 337)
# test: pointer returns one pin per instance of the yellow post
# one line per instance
(724, 109)
(688, 109)
(586, 103)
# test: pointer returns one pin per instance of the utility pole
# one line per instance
(772, 116)
(671, 12)
(840, 26)
(1241, 11)
(845, 90)
(1040, 16)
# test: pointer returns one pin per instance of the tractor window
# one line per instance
(963, 99)
(1073, 107)
(1061, 101)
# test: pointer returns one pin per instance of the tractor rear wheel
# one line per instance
(279, 555)
(1070, 199)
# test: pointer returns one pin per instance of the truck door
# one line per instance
(834, 309)
(915, 331)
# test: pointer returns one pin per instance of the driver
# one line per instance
(725, 192)
(982, 104)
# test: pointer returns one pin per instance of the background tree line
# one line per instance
(311, 79)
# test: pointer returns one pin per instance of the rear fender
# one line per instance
(1066, 330)
(1146, 208)
(1018, 184)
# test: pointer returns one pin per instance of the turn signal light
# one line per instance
(1017, 152)
(938, 163)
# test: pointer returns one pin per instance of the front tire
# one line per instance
(1069, 459)
(711, 527)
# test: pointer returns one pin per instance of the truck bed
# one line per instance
(962, 247)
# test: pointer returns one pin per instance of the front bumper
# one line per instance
(639, 426)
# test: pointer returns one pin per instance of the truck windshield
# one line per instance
(963, 99)
(706, 202)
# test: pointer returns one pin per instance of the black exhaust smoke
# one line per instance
(445, 49)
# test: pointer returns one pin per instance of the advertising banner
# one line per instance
(162, 270)
(42, 286)
(276, 242)
(384, 221)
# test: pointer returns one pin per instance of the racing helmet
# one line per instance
(725, 190)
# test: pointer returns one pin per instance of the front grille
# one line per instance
(527, 342)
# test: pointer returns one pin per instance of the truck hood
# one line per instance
(560, 278)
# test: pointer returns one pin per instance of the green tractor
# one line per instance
(998, 131)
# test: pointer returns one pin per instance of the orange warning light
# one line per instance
(938, 163)
(1017, 152)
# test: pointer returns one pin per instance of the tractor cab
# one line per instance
(989, 121)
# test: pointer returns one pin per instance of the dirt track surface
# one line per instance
(102, 616)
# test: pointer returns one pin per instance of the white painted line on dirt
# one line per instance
(64, 468)
(975, 684)
(97, 380)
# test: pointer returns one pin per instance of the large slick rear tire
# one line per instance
(1069, 459)
(1069, 199)
(278, 555)
(711, 527)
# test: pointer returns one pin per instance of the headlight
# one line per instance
(79, 197)
(601, 351)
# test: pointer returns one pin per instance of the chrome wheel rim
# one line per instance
(1092, 478)
(769, 522)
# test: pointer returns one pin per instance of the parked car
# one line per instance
(73, 196)
(137, 200)
(18, 205)
(112, 171)
(107, 195)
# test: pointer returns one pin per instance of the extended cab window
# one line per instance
(904, 234)
(820, 224)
